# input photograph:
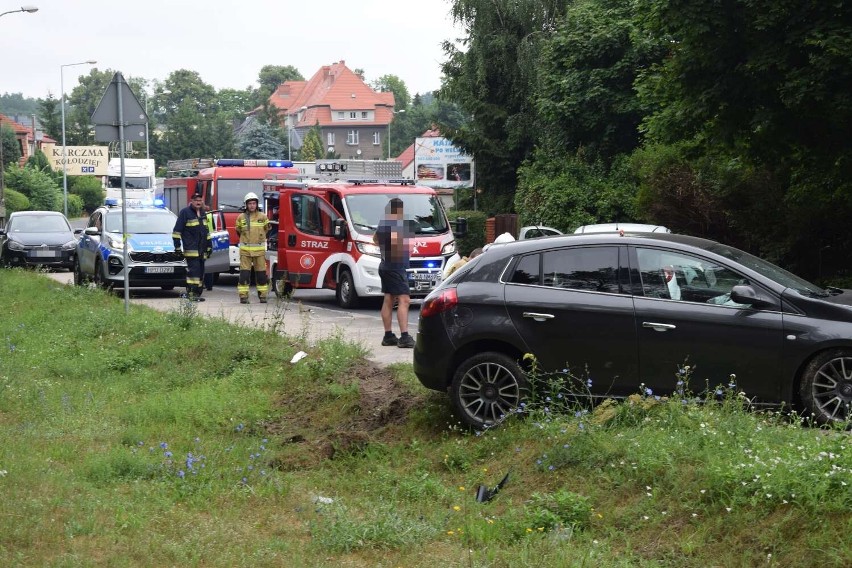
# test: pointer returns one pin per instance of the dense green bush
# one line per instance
(566, 192)
(89, 190)
(15, 201)
(475, 237)
(38, 186)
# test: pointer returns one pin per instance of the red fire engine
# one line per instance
(323, 230)
(224, 184)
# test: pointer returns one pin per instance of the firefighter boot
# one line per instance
(244, 299)
(262, 298)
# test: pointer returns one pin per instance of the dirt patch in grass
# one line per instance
(320, 430)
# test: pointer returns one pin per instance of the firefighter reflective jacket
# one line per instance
(191, 228)
(252, 229)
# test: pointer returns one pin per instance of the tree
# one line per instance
(312, 148)
(492, 79)
(184, 88)
(49, 116)
(11, 148)
(258, 141)
(586, 97)
(39, 162)
(235, 103)
(81, 103)
(88, 189)
(395, 85)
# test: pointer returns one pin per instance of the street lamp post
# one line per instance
(290, 133)
(389, 125)
(62, 106)
(29, 9)
(148, 120)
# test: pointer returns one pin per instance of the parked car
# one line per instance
(621, 227)
(37, 238)
(152, 259)
(535, 231)
(629, 310)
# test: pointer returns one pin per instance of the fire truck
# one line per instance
(223, 183)
(322, 230)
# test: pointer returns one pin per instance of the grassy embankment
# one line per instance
(155, 439)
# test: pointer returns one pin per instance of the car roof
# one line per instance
(626, 227)
(543, 243)
(39, 213)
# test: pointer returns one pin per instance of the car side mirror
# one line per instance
(745, 294)
(91, 231)
(339, 229)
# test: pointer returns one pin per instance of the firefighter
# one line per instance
(191, 229)
(252, 227)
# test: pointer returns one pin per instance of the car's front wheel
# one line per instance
(486, 388)
(79, 279)
(98, 277)
(347, 296)
(826, 388)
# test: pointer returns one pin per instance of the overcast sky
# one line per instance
(226, 42)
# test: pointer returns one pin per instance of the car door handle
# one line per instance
(538, 317)
(658, 326)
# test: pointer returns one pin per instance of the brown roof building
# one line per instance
(353, 118)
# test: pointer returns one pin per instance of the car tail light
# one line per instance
(444, 301)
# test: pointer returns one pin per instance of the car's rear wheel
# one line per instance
(347, 297)
(486, 388)
(826, 389)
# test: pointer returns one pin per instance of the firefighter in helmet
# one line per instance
(252, 227)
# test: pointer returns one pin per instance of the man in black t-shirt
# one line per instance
(392, 241)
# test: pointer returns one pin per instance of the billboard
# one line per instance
(80, 160)
(439, 164)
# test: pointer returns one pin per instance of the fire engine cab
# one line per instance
(322, 232)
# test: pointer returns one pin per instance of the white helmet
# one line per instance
(251, 196)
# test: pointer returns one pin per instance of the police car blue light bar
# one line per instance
(228, 162)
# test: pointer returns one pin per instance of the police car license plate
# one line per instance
(159, 269)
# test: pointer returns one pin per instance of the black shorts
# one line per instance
(394, 282)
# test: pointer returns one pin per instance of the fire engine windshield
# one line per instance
(423, 211)
(232, 191)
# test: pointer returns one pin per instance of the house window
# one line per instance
(376, 138)
(340, 115)
(352, 115)
(329, 139)
(364, 115)
(352, 138)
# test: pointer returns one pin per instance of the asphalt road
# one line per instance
(309, 313)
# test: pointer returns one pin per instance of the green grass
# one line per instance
(169, 439)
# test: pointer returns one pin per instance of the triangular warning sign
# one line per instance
(107, 111)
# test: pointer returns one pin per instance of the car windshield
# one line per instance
(769, 270)
(139, 222)
(129, 182)
(231, 192)
(39, 224)
(422, 211)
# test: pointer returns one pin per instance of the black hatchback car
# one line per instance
(625, 311)
(37, 238)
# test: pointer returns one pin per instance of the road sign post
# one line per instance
(118, 115)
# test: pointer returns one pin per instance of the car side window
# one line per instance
(594, 269)
(528, 270)
(678, 276)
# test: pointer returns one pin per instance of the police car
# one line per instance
(151, 257)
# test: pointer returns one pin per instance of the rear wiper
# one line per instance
(833, 290)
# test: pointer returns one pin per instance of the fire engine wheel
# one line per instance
(347, 297)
